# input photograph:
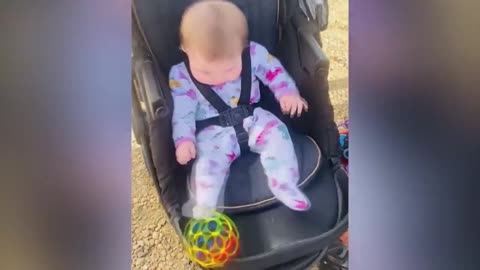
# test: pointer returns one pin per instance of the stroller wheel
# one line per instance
(336, 258)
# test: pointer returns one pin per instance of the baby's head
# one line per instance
(213, 34)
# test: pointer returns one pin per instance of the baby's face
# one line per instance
(214, 72)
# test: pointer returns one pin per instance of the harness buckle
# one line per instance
(234, 116)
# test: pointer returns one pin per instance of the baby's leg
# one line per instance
(217, 148)
(269, 137)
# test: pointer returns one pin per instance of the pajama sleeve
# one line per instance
(184, 107)
(270, 71)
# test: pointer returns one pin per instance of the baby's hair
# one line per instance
(217, 28)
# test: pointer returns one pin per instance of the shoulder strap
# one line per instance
(207, 92)
(246, 78)
(246, 85)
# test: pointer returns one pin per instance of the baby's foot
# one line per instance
(290, 195)
(202, 212)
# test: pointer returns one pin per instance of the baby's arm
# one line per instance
(185, 105)
(271, 72)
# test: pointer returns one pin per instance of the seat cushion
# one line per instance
(247, 189)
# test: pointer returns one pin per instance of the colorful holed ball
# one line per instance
(211, 242)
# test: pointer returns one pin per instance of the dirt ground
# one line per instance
(155, 246)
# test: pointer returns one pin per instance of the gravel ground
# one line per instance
(155, 245)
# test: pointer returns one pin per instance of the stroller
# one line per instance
(272, 236)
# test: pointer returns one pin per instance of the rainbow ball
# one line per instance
(211, 242)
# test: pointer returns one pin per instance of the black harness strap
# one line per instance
(212, 97)
(244, 100)
(229, 116)
(246, 79)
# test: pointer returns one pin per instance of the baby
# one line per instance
(213, 35)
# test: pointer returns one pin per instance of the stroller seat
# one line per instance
(271, 235)
(246, 188)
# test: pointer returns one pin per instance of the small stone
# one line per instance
(145, 267)
(141, 254)
(163, 222)
(155, 235)
(140, 260)
(145, 233)
(140, 243)
(157, 242)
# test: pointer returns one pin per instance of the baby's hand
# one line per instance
(185, 152)
(293, 104)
